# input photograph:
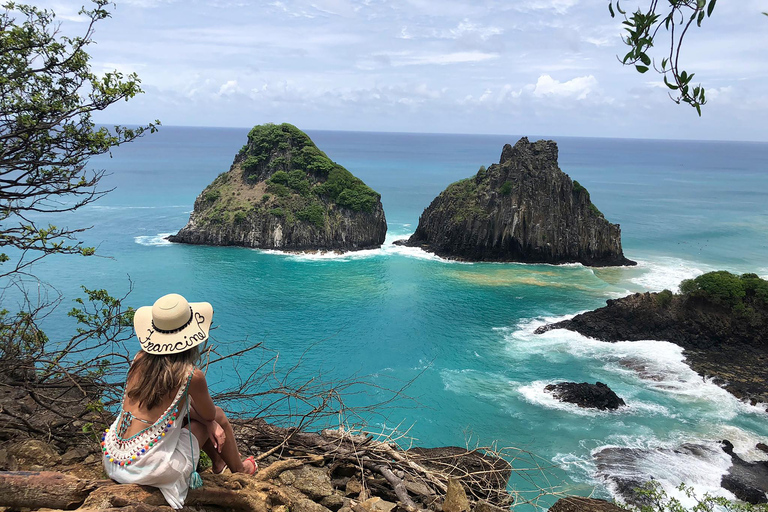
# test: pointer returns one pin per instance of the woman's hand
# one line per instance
(217, 435)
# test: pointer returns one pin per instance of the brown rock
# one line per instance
(762, 447)
(33, 453)
(455, 498)
(579, 504)
(333, 502)
(374, 504)
(312, 481)
(416, 487)
(72, 456)
(484, 506)
(354, 487)
(307, 505)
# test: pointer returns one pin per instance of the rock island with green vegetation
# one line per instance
(282, 192)
(522, 209)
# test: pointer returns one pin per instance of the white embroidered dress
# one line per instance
(163, 455)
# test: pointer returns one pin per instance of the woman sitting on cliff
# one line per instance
(167, 413)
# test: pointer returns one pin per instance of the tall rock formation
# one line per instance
(282, 192)
(522, 209)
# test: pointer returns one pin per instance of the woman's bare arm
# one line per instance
(198, 392)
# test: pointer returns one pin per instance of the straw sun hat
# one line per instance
(172, 324)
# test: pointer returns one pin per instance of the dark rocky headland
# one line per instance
(522, 209)
(720, 319)
(282, 192)
(591, 396)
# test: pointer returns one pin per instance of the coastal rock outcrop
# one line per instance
(282, 192)
(748, 481)
(594, 396)
(719, 318)
(522, 209)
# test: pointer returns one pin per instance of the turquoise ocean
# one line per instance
(463, 331)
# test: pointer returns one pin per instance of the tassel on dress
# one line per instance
(195, 480)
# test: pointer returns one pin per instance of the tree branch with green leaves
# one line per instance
(642, 28)
(48, 94)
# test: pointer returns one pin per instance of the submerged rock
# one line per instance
(283, 193)
(594, 396)
(522, 209)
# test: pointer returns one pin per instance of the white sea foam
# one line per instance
(666, 273)
(744, 442)
(655, 365)
(387, 249)
(153, 240)
(633, 460)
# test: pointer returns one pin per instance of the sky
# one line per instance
(530, 67)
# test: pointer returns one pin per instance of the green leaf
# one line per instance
(698, 109)
(671, 86)
(664, 63)
(618, 8)
(646, 59)
(610, 8)
(700, 18)
(711, 7)
(641, 69)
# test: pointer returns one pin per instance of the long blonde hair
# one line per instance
(158, 376)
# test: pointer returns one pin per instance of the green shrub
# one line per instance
(664, 298)
(463, 189)
(265, 198)
(506, 188)
(240, 217)
(297, 180)
(204, 462)
(595, 211)
(314, 213)
(278, 190)
(265, 138)
(348, 191)
(358, 200)
(212, 195)
(756, 287)
(720, 287)
(280, 177)
(578, 188)
(251, 163)
(277, 212)
(279, 162)
(311, 159)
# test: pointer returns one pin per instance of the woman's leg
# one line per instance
(217, 463)
(200, 431)
(229, 451)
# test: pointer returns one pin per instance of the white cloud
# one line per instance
(578, 87)
(420, 59)
(229, 88)
(559, 6)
